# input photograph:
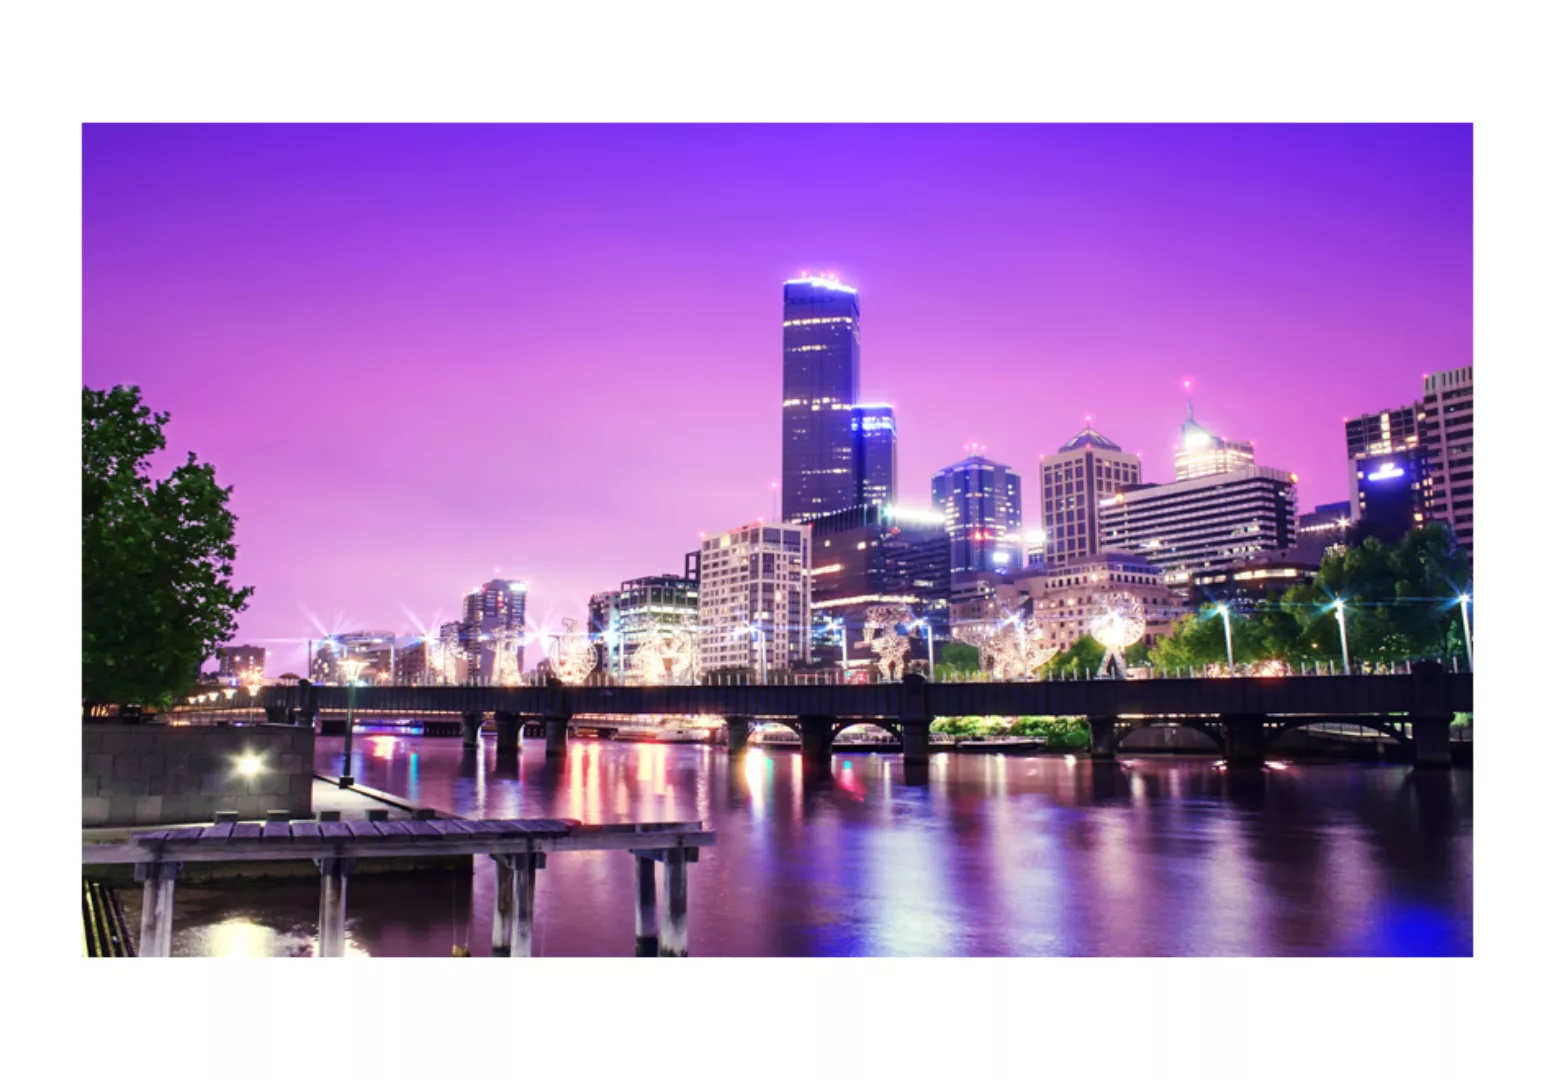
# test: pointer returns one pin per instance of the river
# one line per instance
(992, 856)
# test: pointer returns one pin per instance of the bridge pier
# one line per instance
(674, 935)
(156, 907)
(815, 738)
(509, 738)
(556, 736)
(647, 908)
(739, 733)
(1244, 741)
(470, 727)
(915, 742)
(1432, 740)
(308, 718)
(333, 876)
(276, 714)
(513, 916)
(1103, 745)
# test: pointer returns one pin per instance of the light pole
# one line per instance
(1344, 640)
(1468, 634)
(252, 683)
(928, 628)
(1225, 616)
(761, 645)
(352, 668)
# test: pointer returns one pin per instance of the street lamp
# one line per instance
(1344, 640)
(1225, 616)
(252, 683)
(1468, 634)
(761, 645)
(352, 668)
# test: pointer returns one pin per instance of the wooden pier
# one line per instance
(519, 847)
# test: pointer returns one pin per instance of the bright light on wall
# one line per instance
(249, 765)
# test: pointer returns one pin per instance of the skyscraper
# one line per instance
(821, 467)
(874, 441)
(1447, 433)
(496, 607)
(1087, 470)
(980, 499)
(1203, 453)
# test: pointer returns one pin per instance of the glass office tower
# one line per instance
(821, 467)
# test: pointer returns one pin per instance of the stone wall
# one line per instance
(154, 774)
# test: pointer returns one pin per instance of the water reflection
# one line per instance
(969, 855)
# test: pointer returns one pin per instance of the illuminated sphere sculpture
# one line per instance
(503, 644)
(1014, 648)
(1119, 624)
(665, 654)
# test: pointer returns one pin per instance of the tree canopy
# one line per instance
(156, 558)
(1400, 603)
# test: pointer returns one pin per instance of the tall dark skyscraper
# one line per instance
(495, 606)
(821, 466)
(874, 441)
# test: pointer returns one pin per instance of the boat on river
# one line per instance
(669, 733)
(1002, 744)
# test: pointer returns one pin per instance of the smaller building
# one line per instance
(753, 598)
(240, 662)
(1065, 599)
(874, 446)
(1258, 581)
(375, 648)
(1204, 453)
(1392, 492)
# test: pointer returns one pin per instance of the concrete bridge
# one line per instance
(1241, 715)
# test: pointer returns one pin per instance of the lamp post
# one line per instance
(252, 683)
(1225, 616)
(352, 668)
(230, 692)
(1468, 633)
(761, 645)
(1344, 640)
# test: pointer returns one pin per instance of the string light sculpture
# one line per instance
(1119, 624)
(575, 657)
(1015, 648)
(880, 634)
(503, 644)
(665, 654)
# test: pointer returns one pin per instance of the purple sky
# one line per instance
(425, 354)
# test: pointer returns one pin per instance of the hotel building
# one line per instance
(754, 580)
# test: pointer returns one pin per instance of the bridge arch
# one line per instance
(1208, 728)
(1283, 725)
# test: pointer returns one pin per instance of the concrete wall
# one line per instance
(153, 774)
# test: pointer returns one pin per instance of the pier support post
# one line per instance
(513, 927)
(1244, 741)
(276, 714)
(555, 736)
(674, 935)
(156, 907)
(739, 733)
(915, 741)
(1103, 744)
(470, 727)
(508, 732)
(647, 907)
(815, 739)
(333, 875)
(1432, 740)
(308, 718)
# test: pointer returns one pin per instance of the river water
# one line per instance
(991, 856)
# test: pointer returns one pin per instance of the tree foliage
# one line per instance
(1084, 655)
(956, 657)
(156, 558)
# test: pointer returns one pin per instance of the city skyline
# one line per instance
(264, 283)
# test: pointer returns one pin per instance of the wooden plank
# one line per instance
(393, 828)
(360, 829)
(276, 830)
(420, 828)
(465, 827)
(149, 837)
(216, 832)
(446, 827)
(245, 830)
(305, 830)
(334, 830)
(191, 833)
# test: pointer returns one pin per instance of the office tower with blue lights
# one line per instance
(980, 500)
(874, 443)
(821, 460)
(489, 609)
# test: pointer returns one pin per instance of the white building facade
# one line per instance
(753, 601)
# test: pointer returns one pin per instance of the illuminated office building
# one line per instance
(753, 597)
(493, 609)
(874, 434)
(1203, 453)
(241, 661)
(1086, 470)
(821, 467)
(1447, 434)
(980, 500)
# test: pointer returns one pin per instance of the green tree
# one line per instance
(1084, 655)
(156, 558)
(955, 657)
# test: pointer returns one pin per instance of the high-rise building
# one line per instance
(753, 598)
(1447, 433)
(820, 389)
(240, 661)
(1391, 492)
(1087, 469)
(491, 611)
(1205, 523)
(1203, 453)
(1382, 432)
(874, 433)
(980, 500)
